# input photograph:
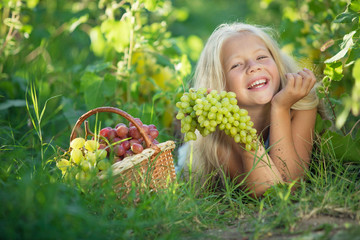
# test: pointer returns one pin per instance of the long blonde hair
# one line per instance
(209, 74)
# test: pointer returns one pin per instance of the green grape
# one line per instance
(206, 123)
(205, 112)
(76, 156)
(82, 177)
(243, 112)
(237, 138)
(104, 164)
(86, 166)
(77, 143)
(185, 104)
(248, 147)
(91, 157)
(233, 131)
(253, 131)
(233, 101)
(63, 165)
(101, 154)
(242, 125)
(242, 133)
(191, 135)
(201, 119)
(211, 115)
(180, 115)
(188, 119)
(185, 98)
(231, 119)
(186, 127)
(91, 145)
(213, 109)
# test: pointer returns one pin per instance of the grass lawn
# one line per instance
(37, 203)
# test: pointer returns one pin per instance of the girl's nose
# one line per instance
(253, 66)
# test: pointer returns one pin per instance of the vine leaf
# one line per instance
(345, 46)
(346, 147)
(334, 70)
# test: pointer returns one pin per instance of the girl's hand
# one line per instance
(297, 87)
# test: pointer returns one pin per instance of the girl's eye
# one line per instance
(235, 65)
(261, 57)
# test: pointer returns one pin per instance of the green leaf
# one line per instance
(356, 70)
(98, 43)
(32, 3)
(346, 148)
(355, 6)
(109, 85)
(117, 33)
(346, 17)
(98, 67)
(334, 71)
(322, 124)
(354, 54)
(150, 5)
(346, 44)
(75, 22)
(185, 68)
(96, 88)
(12, 103)
(341, 119)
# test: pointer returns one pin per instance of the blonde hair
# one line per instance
(209, 74)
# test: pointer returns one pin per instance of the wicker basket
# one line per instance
(153, 167)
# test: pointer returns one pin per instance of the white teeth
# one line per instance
(258, 82)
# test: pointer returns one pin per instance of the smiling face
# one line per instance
(250, 70)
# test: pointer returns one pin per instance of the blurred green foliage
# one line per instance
(139, 55)
(59, 59)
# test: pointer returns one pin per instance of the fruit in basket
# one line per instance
(91, 145)
(76, 156)
(77, 143)
(103, 164)
(205, 112)
(109, 146)
(128, 139)
(137, 148)
(63, 164)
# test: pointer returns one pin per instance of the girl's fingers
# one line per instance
(312, 79)
(298, 81)
(312, 75)
(308, 79)
(290, 80)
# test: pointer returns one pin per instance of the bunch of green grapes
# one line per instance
(84, 157)
(203, 111)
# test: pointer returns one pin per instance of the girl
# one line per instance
(280, 100)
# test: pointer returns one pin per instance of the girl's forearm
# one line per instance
(283, 151)
(261, 172)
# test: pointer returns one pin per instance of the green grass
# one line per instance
(36, 203)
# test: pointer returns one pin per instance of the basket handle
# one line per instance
(117, 111)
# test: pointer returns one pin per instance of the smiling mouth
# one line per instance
(258, 84)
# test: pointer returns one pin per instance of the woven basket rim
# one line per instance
(131, 161)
